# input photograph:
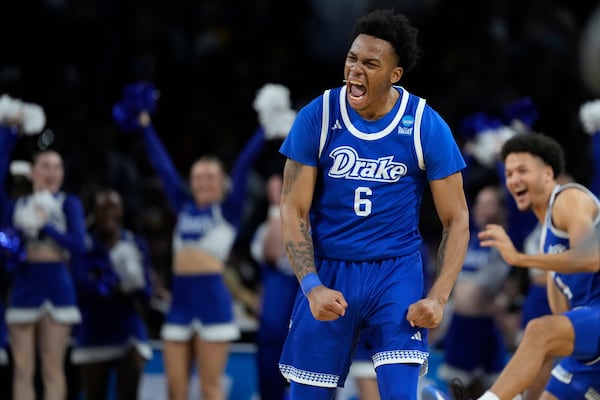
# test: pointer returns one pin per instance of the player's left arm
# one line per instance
(451, 206)
(574, 211)
(556, 299)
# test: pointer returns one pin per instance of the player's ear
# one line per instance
(396, 75)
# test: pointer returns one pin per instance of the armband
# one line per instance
(309, 282)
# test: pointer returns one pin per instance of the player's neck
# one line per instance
(382, 107)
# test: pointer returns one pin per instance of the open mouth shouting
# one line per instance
(356, 90)
(520, 196)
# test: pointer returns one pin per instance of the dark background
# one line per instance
(209, 57)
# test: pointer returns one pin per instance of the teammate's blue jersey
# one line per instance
(372, 174)
(580, 288)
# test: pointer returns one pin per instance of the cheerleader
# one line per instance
(114, 288)
(42, 304)
(200, 324)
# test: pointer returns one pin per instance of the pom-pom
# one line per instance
(521, 114)
(9, 109)
(137, 97)
(29, 220)
(30, 117)
(476, 123)
(20, 168)
(127, 263)
(34, 118)
(34, 215)
(277, 124)
(12, 248)
(589, 115)
(272, 96)
(487, 137)
(44, 200)
(272, 103)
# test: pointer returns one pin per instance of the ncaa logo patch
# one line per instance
(407, 121)
(406, 125)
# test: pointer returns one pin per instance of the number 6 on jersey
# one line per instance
(362, 205)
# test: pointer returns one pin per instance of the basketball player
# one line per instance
(569, 213)
(359, 158)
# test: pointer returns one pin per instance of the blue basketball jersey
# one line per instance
(372, 174)
(581, 288)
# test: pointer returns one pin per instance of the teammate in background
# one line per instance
(359, 158)
(570, 214)
(474, 345)
(42, 305)
(536, 303)
(114, 287)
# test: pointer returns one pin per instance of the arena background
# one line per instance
(209, 57)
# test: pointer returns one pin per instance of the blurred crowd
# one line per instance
(209, 58)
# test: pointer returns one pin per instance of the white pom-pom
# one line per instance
(34, 118)
(272, 96)
(503, 134)
(484, 149)
(30, 117)
(20, 168)
(127, 263)
(277, 123)
(46, 201)
(272, 103)
(10, 109)
(589, 115)
(29, 220)
(487, 144)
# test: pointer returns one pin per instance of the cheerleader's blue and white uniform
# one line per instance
(113, 283)
(42, 287)
(202, 303)
(578, 375)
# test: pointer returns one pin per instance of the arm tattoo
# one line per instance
(442, 250)
(301, 254)
(291, 173)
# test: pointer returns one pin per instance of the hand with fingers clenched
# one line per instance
(326, 304)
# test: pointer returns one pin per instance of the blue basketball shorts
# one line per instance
(378, 293)
(574, 380)
(578, 376)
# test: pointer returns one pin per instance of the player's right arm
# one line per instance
(296, 198)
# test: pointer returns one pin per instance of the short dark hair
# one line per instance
(538, 145)
(394, 28)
